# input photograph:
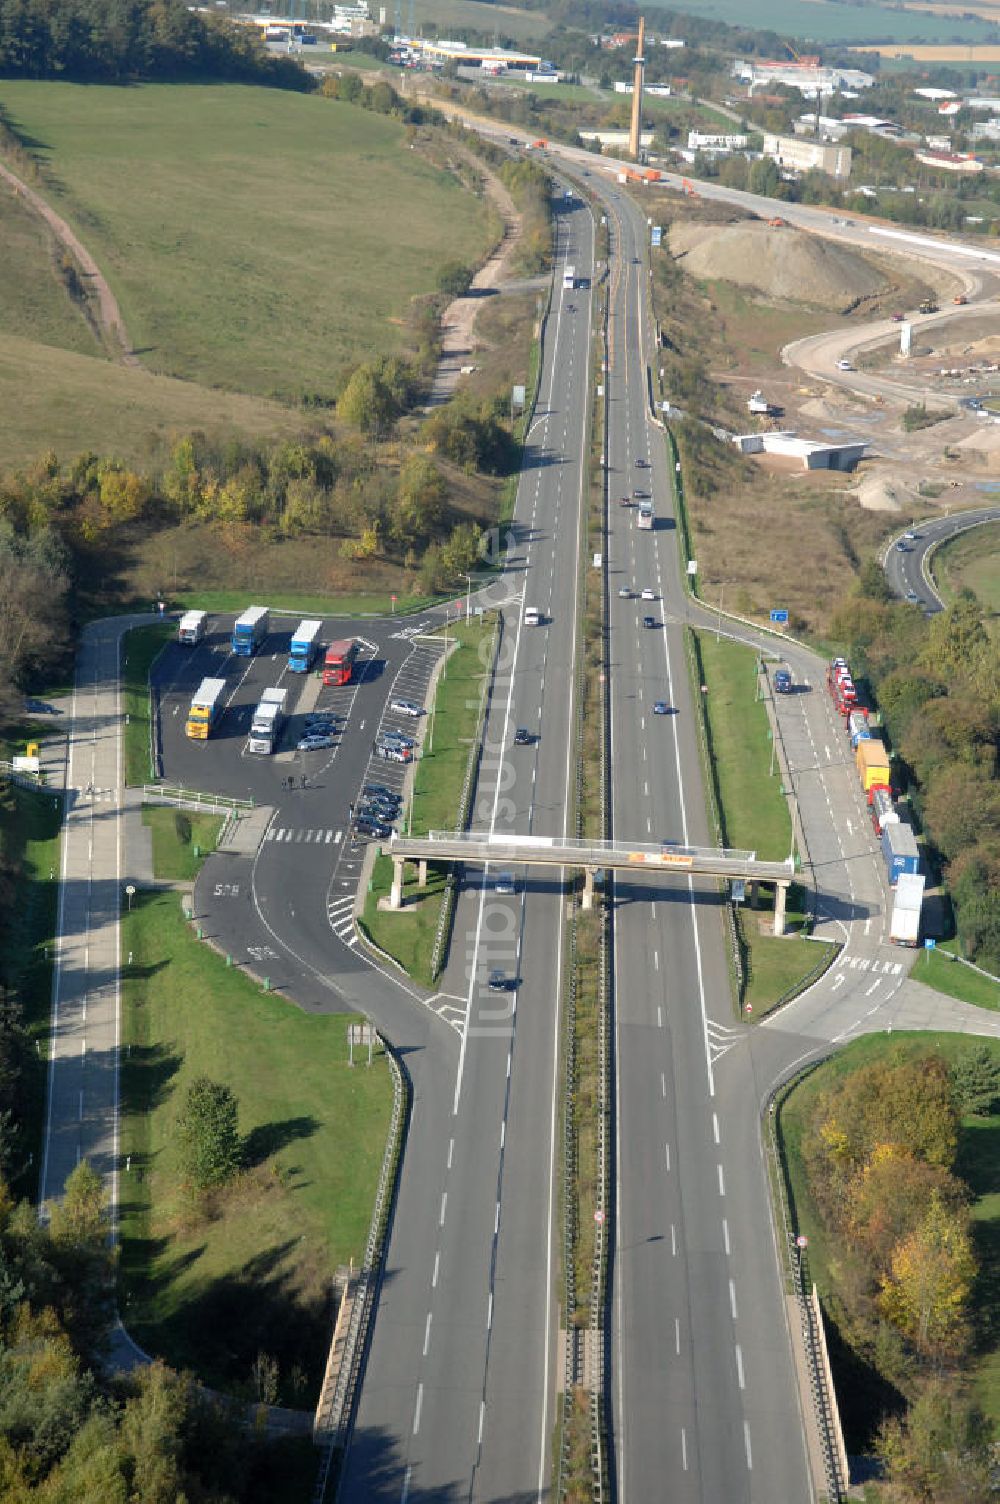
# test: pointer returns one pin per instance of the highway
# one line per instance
(703, 1389)
(907, 558)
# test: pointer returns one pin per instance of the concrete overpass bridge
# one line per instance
(477, 848)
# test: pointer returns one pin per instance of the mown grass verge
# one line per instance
(302, 605)
(30, 825)
(449, 742)
(181, 841)
(939, 969)
(139, 648)
(211, 1284)
(862, 1393)
(748, 803)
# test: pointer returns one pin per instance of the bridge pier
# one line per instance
(422, 872)
(396, 891)
(588, 888)
(780, 895)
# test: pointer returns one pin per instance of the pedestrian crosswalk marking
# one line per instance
(318, 837)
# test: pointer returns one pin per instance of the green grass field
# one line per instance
(935, 969)
(252, 236)
(33, 301)
(250, 1271)
(30, 826)
(970, 562)
(139, 648)
(491, 20)
(71, 402)
(408, 936)
(977, 1161)
(822, 21)
(301, 605)
(176, 833)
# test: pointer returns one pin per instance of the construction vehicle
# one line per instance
(688, 187)
(928, 306)
(777, 223)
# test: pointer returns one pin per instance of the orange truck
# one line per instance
(873, 763)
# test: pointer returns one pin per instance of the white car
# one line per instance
(844, 365)
(648, 594)
(505, 883)
(624, 593)
(406, 707)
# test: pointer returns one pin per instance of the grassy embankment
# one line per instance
(969, 562)
(302, 605)
(860, 1392)
(248, 233)
(139, 648)
(211, 1285)
(408, 936)
(753, 811)
(937, 968)
(29, 834)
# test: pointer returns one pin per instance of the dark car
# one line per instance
(380, 791)
(373, 829)
(499, 981)
(649, 621)
(522, 737)
(660, 707)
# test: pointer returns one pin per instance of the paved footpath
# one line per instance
(82, 1110)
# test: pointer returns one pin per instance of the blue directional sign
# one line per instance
(779, 615)
(929, 944)
(657, 235)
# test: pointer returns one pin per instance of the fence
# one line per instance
(335, 1410)
(182, 798)
(21, 779)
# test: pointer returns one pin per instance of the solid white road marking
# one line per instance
(732, 1297)
(427, 1334)
(739, 1366)
(417, 1408)
(722, 1182)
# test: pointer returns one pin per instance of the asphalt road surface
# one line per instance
(907, 558)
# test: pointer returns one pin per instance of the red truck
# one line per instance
(338, 664)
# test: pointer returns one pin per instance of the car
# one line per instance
(523, 737)
(911, 537)
(649, 621)
(505, 883)
(648, 594)
(397, 738)
(660, 707)
(897, 318)
(844, 365)
(317, 725)
(499, 981)
(406, 707)
(640, 463)
(626, 501)
(393, 753)
(641, 495)
(624, 593)
(374, 829)
(380, 791)
(635, 261)
(901, 546)
(570, 307)
(911, 595)
(314, 743)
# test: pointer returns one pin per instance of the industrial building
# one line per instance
(807, 75)
(801, 154)
(810, 454)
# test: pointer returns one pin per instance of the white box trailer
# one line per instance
(904, 926)
(267, 721)
(191, 628)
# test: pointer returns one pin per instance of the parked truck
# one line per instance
(191, 628)
(904, 925)
(857, 727)
(206, 708)
(305, 645)
(872, 760)
(899, 848)
(249, 630)
(882, 808)
(267, 721)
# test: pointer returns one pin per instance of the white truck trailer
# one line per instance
(267, 721)
(908, 898)
(191, 628)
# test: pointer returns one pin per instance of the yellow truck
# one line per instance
(206, 708)
(873, 763)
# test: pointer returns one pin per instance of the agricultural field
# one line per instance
(252, 236)
(826, 21)
(521, 26)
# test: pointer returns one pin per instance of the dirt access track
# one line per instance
(104, 304)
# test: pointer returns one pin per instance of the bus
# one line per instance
(304, 646)
(646, 515)
(569, 278)
(249, 631)
(338, 665)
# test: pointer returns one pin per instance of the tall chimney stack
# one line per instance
(640, 63)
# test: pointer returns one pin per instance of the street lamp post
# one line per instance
(468, 596)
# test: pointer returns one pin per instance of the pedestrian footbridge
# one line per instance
(663, 857)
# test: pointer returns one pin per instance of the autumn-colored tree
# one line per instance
(926, 1290)
(940, 1452)
(889, 1197)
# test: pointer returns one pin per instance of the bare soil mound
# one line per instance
(780, 263)
(880, 492)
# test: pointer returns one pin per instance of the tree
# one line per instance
(208, 1134)
(926, 1291)
(976, 1078)
(454, 278)
(940, 1452)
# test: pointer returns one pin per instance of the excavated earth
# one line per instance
(779, 263)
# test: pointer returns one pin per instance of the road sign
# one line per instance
(802, 1241)
(598, 1216)
(779, 615)
(657, 236)
(930, 944)
(692, 566)
(518, 396)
